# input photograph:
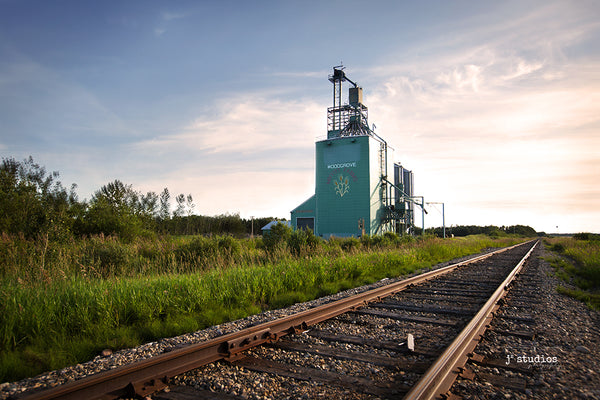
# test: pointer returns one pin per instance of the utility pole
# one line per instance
(423, 211)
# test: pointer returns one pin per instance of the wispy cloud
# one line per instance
(40, 102)
(166, 19)
(522, 68)
(170, 15)
(247, 124)
(484, 124)
(253, 152)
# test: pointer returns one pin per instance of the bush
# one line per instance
(228, 246)
(406, 239)
(494, 232)
(391, 237)
(302, 241)
(366, 241)
(350, 245)
(149, 249)
(586, 236)
(558, 247)
(277, 238)
(379, 241)
(107, 256)
(199, 247)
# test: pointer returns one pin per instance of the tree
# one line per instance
(149, 209)
(149, 203)
(33, 202)
(180, 209)
(190, 205)
(165, 211)
(117, 209)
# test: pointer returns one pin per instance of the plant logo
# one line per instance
(341, 185)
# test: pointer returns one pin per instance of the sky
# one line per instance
(494, 106)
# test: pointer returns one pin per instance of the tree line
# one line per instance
(490, 230)
(34, 203)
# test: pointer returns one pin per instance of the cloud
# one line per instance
(300, 74)
(467, 76)
(166, 20)
(500, 125)
(170, 16)
(252, 152)
(45, 107)
(247, 124)
(522, 68)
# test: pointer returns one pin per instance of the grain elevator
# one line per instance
(358, 187)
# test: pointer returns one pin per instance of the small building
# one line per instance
(358, 188)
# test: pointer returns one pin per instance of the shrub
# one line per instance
(586, 236)
(199, 247)
(302, 241)
(228, 246)
(366, 241)
(148, 249)
(558, 247)
(406, 239)
(277, 237)
(350, 245)
(391, 238)
(106, 255)
(258, 243)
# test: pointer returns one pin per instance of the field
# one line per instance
(578, 266)
(62, 303)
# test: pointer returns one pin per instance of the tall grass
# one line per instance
(580, 267)
(61, 303)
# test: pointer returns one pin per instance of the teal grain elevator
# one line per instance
(358, 188)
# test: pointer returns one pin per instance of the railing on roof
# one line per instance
(338, 118)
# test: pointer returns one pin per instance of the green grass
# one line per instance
(592, 300)
(61, 304)
(578, 264)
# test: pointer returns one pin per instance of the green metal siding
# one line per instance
(348, 188)
(343, 186)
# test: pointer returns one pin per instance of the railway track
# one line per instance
(410, 339)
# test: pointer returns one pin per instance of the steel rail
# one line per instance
(438, 379)
(148, 376)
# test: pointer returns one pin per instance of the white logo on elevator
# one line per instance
(342, 165)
